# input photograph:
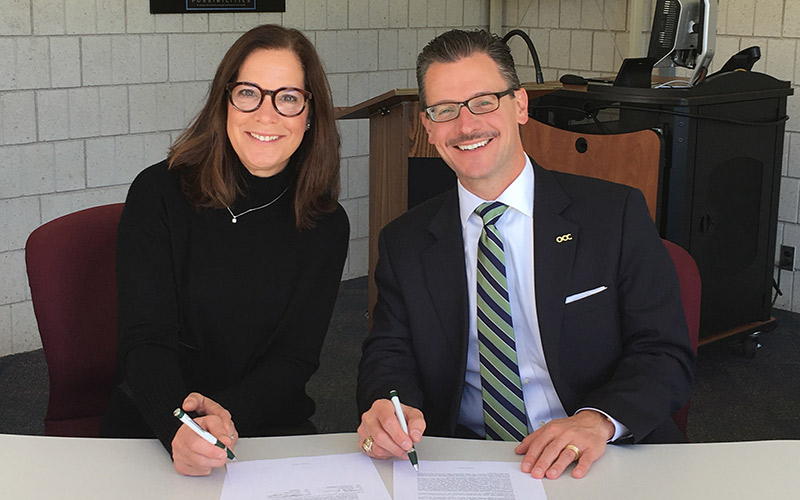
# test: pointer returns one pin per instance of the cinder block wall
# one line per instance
(93, 91)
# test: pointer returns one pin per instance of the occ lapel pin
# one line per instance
(564, 238)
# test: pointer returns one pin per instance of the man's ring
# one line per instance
(367, 444)
(571, 447)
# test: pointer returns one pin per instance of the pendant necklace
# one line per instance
(234, 217)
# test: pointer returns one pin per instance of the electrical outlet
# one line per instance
(786, 258)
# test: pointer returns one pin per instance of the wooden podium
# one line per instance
(398, 139)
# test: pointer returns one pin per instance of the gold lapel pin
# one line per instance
(563, 238)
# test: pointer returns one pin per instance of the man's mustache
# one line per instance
(474, 136)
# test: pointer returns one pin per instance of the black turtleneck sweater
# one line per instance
(237, 312)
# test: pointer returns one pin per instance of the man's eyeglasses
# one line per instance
(478, 105)
(287, 101)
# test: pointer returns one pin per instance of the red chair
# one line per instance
(70, 263)
(689, 278)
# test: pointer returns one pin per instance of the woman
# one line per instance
(229, 258)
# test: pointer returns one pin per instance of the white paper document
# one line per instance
(350, 476)
(460, 480)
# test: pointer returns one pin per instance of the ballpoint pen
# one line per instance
(412, 453)
(186, 419)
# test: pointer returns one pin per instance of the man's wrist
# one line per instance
(612, 429)
(606, 424)
(604, 421)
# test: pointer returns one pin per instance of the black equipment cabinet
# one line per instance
(721, 176)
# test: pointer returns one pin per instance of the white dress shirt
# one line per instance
(516, 230)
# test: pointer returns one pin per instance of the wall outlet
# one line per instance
(786, 258)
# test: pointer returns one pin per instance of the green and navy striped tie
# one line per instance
(503, 406)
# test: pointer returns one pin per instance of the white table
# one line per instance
(47, 467)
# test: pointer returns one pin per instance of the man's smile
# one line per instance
(470, 142)
(476, 145)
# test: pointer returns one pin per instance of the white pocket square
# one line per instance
(583, 295)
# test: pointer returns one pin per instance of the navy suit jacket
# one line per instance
(624, 350)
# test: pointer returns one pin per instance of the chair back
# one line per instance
(689, 279)
(70, 262)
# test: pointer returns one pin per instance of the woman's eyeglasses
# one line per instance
(287, 101)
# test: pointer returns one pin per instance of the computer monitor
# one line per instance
(684, 34)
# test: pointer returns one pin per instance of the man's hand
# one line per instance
(193, 455)
(388, 439)
(546, 452)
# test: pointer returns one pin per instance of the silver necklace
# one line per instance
(234, 217)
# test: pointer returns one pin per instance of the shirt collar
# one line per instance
(518, 195)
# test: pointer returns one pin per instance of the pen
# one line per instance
(186, 419)
(412, 453)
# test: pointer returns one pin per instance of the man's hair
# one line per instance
(453, 45)
(206, 160)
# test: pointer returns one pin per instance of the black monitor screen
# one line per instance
(665, 27)
(684, 34)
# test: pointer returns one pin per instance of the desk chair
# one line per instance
(70, 263)
(689, 279)
(633, 159)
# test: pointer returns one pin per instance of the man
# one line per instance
(523, 304)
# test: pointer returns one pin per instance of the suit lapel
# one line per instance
(554, 255)
(446, 280)
(443, 266)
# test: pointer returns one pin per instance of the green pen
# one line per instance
(412, 453)
(186, 419)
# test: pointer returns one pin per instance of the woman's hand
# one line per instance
(193, 455)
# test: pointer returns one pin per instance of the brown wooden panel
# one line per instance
(368, 108)
(633, 159)
(388, 175)
(420, 147)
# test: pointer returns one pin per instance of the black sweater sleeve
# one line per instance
(147, 307)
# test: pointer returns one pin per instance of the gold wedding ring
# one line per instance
(367, 444)
(574, 449)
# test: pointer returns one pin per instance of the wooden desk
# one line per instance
(84, 468)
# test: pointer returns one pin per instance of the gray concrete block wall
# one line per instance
(93, 91)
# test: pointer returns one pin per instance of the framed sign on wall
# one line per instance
(205, 6)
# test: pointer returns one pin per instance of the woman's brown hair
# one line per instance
(204, 156)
